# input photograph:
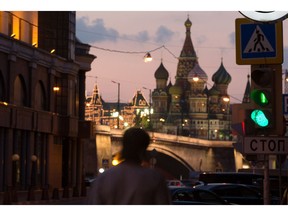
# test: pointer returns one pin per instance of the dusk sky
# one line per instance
(121, 32)
(212, 33)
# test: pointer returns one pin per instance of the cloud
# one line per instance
(163, 35)
(142, 36)
(201, 39)
(95, 32)
(232, 38)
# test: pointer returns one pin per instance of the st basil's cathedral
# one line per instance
(190, 107)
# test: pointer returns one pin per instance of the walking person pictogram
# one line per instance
(258, 40)
(258, 43)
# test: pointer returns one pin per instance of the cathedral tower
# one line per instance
(188, 108)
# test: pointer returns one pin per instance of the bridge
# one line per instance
(175, 156)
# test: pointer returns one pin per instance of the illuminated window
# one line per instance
(10, 24)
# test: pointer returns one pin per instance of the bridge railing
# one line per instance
(190, 140)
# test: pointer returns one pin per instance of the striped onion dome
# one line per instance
(221, 76)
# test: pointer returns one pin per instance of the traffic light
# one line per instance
(266, 112)
(262, 96)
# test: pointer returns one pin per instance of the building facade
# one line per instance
(188, 107)
(42, 98)
(133, 113)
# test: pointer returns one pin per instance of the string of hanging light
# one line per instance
(147, 56)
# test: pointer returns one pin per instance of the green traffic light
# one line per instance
(260, 97)
(263, 98)
(259, 117)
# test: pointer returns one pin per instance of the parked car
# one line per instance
(230, 177)
(194, 196)
(89, 180)
(174, 182)
(254, 181)
(189, 182)
(235, 193)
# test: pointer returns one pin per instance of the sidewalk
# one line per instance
(43, 197)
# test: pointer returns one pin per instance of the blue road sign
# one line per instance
(258, 43)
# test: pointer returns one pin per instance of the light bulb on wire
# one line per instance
(147, 57)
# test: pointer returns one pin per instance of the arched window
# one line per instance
(40, 96)
(20, 92)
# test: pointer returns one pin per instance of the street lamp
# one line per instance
(150, 101)
(15, 159)
(34, 170)
(118, 102)
(147, 57)
(226, 100)
(56, 90)
(89, 110)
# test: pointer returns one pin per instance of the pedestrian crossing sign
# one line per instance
(258, 42)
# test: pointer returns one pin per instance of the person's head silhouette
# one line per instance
(135, 143)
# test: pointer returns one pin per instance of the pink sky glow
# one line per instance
(212, 33)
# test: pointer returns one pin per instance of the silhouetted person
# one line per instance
(129, 182)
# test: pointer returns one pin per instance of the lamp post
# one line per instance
(34, 170)
(15, 159)
(56, 90)
(183, 109)
(150, 101)
(89, 110)
(31, 195)
(226, 100)
(118, 103)
(15, 176)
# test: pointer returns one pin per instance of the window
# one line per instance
(40, 97)
(19, 92)
(142, 102)
(10, 24)
(26, 31)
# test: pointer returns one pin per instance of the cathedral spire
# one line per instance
(186, 60)
(96, 98)
(188, 48)
(246, 98)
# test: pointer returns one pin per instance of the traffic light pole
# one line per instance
(266, 97)
(266, 113)
(266, 183)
